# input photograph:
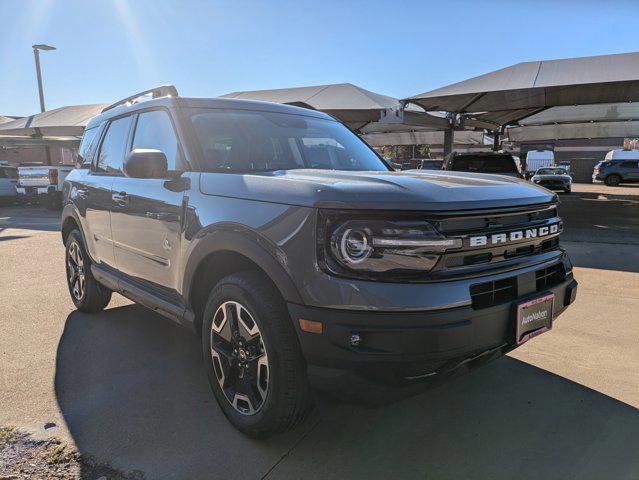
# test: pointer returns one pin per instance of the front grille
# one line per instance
(486, 224)
(550, 276)
(488, 294)
(481, 222)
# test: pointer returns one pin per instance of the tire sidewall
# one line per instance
(613, 180)
(75, 236)
(95, 296)
(267, 414)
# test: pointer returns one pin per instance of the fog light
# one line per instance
(356, 339)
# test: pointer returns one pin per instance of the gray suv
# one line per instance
(298, 255)
(614, 172)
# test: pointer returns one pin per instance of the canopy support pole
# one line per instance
(496, 139)
(449, 139)
(449, 134)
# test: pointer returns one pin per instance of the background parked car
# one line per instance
(620, 166)
(553, 178)
(8, 180)
(42, 183)
(483, 162)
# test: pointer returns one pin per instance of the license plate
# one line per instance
(534, 317)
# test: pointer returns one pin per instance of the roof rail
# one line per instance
(157, 92)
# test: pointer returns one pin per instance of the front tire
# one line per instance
(86, 293)
(252, 356)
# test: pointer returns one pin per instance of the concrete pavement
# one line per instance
(128, 387)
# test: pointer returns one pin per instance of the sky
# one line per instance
(110, 49)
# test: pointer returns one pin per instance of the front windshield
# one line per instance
(552, 171)
(255, 141)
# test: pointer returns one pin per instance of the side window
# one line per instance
(155, 130)
(87, 146)
(629, 164)
(111, 154)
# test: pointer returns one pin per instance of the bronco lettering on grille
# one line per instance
(514, 236)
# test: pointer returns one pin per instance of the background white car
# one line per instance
(553, 178)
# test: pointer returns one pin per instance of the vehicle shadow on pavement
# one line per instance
(133, 392)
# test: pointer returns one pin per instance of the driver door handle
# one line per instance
(121, 198)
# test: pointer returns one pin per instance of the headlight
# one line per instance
(381, 249)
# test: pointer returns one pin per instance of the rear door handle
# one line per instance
(121, 198)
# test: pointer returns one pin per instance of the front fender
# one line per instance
(245, 242)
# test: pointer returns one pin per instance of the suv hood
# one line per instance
(436, 191)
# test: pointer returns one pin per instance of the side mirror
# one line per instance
(145, 163)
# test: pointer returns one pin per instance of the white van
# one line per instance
(536, 159)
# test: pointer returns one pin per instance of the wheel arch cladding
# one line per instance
(69, 223)
(223, 253)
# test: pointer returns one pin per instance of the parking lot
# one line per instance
(128, 386)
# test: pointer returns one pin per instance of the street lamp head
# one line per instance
(42, 46)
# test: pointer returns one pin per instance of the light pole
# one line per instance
(36, 54)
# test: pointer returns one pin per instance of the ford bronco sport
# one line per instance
(295, 251)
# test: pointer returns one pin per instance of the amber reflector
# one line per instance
(310, 326)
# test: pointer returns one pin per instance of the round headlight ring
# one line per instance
(354, 246)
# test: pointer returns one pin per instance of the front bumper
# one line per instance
(417, 343)
(553, 184)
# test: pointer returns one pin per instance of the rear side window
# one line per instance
(111, 156)
(87, 146)
(629, 164)
(155, 130)
(496, 164)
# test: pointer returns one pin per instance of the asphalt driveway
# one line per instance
(128, 387)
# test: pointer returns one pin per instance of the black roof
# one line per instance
(219, 103)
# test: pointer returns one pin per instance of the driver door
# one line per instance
(146, 218)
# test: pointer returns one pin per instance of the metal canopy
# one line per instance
(15, 141)
(61, 122)
(352, 105)
(6, 119)
(605, 112)
(569, 131)
(508, 95)
(583, 121)
(422, 137)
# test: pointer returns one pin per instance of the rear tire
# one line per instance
(87, 294)
(613, 180)
(252, 356)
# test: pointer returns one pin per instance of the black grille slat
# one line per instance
(488, 294)
(550, 276)
(483, 223)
